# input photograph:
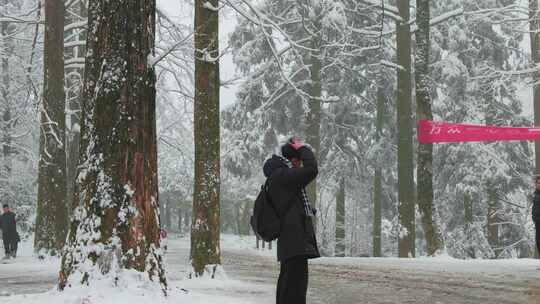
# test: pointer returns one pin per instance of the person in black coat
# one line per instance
(8, 225)
(288, 175)
(536, 212)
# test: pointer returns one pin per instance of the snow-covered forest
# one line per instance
(128, 126)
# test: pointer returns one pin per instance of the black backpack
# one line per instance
(265, 219)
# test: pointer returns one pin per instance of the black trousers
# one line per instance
(537, 224)
(10, 246)
(293, 281)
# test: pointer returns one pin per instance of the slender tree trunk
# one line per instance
(51, 218)
(406, 204)
(340, 220)
(180, 214)
(244, 215)
(187, 221)
(168, 215)
(424, 169)
(237, 218)
(5, 170)
(492, 216)
(492, 219)
(534, 26)
(377, 184)
(74, 83)
(468, 216)
(534, 29)
(205, 229)
(313, 126)
(248, 206)
(377, 194)
(310, 13)
(162, 209)
(117, 186)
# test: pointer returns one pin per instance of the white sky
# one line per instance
(178, 9)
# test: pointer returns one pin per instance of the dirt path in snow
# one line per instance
(329, 284)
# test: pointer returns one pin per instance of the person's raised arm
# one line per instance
(301, 176)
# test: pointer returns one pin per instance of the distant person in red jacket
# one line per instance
(8, 225)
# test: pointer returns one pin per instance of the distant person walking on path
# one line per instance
(8, 225)
(288, 175)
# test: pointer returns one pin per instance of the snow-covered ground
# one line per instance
(27, 280)
(251, 274)
(523, 268)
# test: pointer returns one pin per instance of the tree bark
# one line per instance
(424, 169)
(406, 189)
(5, 170)
(313, 119)
(205, 228)
(51, 218)
(377, 183)
(493, 205)
(74, 83)
(468, 219)
(187, 221)
(168, 214)
(492, 218)
(340, 220)
(180, 215)
(116, 223)
(246, 215)
(534, 27)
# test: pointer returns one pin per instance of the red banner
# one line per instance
(430, 132)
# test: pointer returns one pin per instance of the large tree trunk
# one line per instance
(340, 220)
(377, 183)
(424, 169)
(117, 186)
(51, 219)
(205, 229)
(406, 191)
